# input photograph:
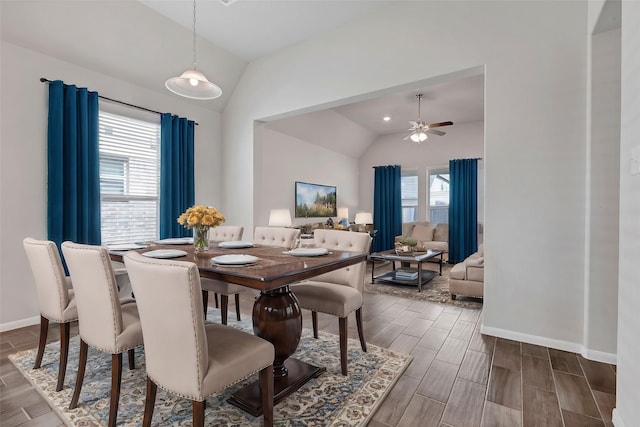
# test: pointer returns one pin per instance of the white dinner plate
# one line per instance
(234, 259)
(175, 241)
(164, 253)
(235, 244)
(308, 251)
(125, 247)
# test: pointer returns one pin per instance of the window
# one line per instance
(409, 195)
(439, 196)
(129, 179)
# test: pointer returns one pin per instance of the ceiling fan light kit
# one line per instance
(418, 136)
(192, 83)
(420, 128)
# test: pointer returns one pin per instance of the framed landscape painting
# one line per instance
(315, 200)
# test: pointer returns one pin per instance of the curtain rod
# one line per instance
(45, 80)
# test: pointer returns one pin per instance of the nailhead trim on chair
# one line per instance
(200, 378)
(201, 398)
(109, 351)
(327, 312)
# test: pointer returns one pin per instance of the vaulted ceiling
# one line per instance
(145, 42)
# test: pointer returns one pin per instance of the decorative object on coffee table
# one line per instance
(406, 245)
(428, 236)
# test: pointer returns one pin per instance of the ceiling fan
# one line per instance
(420, 128)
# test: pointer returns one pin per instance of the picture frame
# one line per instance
(315, 200)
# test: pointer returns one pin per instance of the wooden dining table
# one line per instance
(276, 313)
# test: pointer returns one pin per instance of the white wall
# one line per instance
(627, 412)
(280, 160)
(603, 182)
(23, 183)
(535, 118)
(463, 140)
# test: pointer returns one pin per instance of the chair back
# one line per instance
(169, 301)
(275, 236)
(96, 293)
(50, 278)
(344, 241)
(226, 233)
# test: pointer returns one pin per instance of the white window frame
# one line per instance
(432, 210)
(406, 206)
(133, 215)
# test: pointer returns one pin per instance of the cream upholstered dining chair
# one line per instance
(220, 234)
(185, 354)
(276, 236)
(223, 233)
(337, 292)
(104, 322)
(56, 301)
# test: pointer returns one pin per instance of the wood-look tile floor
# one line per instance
(458, 377)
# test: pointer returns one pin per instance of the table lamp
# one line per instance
(365, 218)
(343, 213)
(280, 218)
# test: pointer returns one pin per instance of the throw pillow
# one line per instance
(442, 233)
(423, 233)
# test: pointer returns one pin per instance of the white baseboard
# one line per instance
(615, 418)
(598, 356)
(19, 323)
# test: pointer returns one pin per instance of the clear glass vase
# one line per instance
(200, 238)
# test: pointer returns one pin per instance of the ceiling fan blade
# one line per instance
(407, 137)
(435, 125)
(413, 124)
(436, 132)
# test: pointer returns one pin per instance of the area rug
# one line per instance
(329, 400)
(436, 290)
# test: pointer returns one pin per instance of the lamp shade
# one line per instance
(193, 84)
(280, 218)
(418, 136)
(364, 218)
(343, 213)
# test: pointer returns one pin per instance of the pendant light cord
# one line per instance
(195, 64)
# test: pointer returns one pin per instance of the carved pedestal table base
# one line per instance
(277, 319)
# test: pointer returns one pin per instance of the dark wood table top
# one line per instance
(275, 267)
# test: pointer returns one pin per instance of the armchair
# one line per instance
(467, 277)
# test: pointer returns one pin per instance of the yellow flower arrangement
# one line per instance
(201, 218)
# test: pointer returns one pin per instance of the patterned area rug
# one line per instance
(436, 290)
(329, 400)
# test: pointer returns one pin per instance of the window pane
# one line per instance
(409, 195)
(129, 179)
(439, 197)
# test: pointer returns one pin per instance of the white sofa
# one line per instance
(428, 236)
(467, 277)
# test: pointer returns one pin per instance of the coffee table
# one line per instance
(406, 275)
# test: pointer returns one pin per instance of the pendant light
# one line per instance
(192, 83)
